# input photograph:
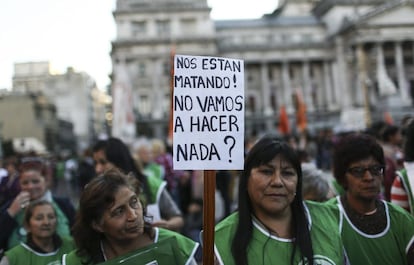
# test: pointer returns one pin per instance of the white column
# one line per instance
(264, 70)
(307, 86)
(342, 75)
(328, 87)
(361, 73)
(287, 87)
(402, 80)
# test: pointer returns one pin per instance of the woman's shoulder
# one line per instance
(228, 225)
(72, 258)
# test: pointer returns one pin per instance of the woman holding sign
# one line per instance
(273, 225)
(111, 228)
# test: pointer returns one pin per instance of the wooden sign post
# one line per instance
(208, 125)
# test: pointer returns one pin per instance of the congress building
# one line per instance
(351, 62)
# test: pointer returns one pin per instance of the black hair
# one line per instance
(351, 148)
(118, 154)
(266, 149)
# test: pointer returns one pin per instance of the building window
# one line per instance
(188, 25)
(166, 69)
(145, 105)
(139, 28)
(163, 27)
(142, 69)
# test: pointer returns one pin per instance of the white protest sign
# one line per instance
(208, 105)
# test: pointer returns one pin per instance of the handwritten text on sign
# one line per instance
(208, 109)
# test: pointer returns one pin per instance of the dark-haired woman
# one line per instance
(373, 231)
(113, 152)
(273, 225)
(111, 226)
(43, 245)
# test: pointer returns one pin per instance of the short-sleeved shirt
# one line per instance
(24, 254)
(181, 254)
(265, 248)
(389, 246)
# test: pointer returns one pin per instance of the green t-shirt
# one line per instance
(387, 247)
(19, 233)
(169, 248)
(23, 254)
(266, 249)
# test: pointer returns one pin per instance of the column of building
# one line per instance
(402, 80)
(287, 88)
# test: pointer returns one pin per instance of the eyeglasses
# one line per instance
(359, 172)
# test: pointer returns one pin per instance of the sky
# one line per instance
(78, 33)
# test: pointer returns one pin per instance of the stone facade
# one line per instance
(341, 56)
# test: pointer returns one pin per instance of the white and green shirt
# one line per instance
(389, 246)
(265, 248)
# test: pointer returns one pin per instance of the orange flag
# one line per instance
(301, 120)
(284, 127)
(388, 118)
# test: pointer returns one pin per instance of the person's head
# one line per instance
(33, 171)
(11, 165)
(358, 164)
(270, 185)
(392, 135)
(40, 220)
(271, 177)
(315, 187)
(110, 209)
(158, 147)
(113, 152)
(143, 151)
(409, 142)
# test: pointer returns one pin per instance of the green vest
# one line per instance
(19, 233)
(269, 249)
(402, 174)
(23, 254)
(387, 247)
(169, 248)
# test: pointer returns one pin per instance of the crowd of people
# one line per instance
(127, 203)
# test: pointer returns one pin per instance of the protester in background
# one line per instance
(373, 231)
(9, 185)
(112, 153)
(144, 156)
(86, 168)
(315, 186)
(391, 144)
(171, 176)
(43, 244)
(402, 188)
(34, 187)
(112, 225)
(273, 225)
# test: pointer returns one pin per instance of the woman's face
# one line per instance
(364, 179)
(272, 188)
(101, 163)
(42, 223)
(124, 219)
(33, 182)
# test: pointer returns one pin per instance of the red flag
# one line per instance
(284, 127)
(388, 118)
(301, 120)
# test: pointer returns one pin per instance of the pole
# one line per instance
(209, 216)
